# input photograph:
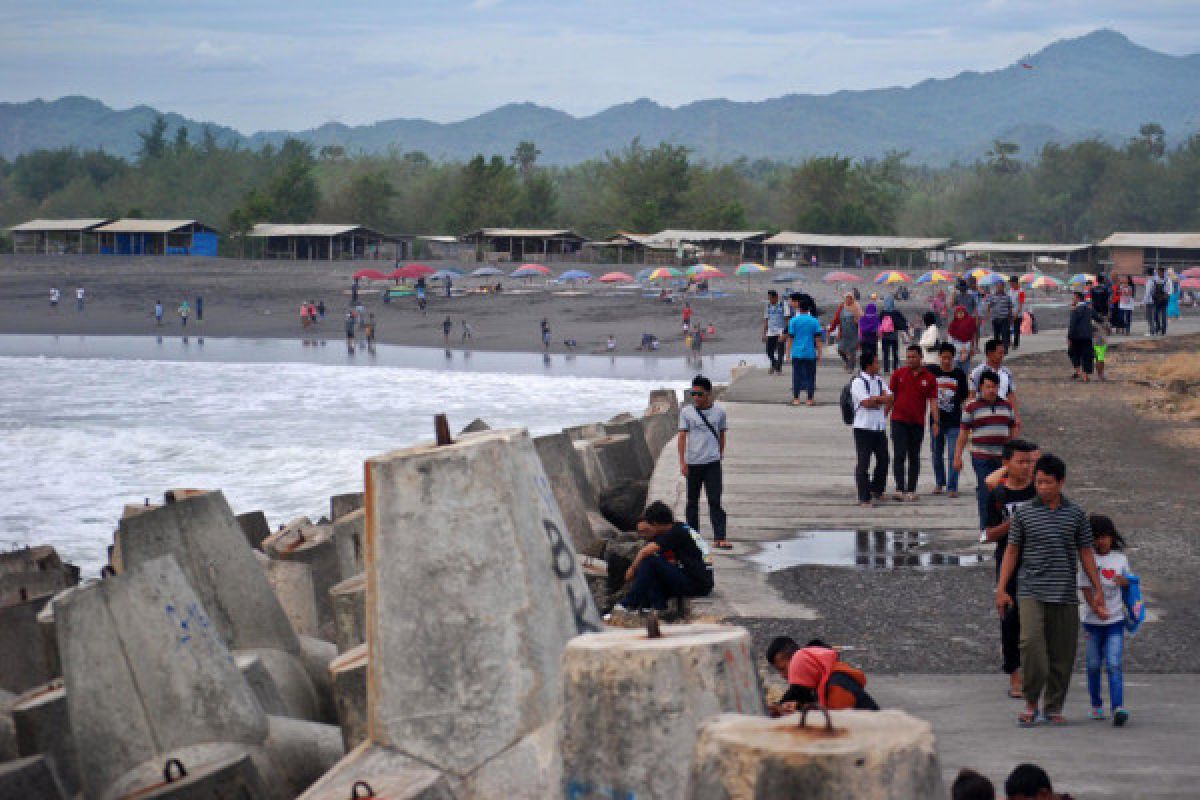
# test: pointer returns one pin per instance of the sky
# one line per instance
(296, 64)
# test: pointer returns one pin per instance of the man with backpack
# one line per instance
(865, 404)
(1158, 294)
(702, 427)
(1079, 338)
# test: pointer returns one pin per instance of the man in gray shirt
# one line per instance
(702, 429)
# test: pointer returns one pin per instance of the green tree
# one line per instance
(1002, 157)
(538, 204)
(1152, 139)
(648, 185)
(370, 198)
(181, 145)
(525, 157)
(154, 141)
(292, 191)
(485, 195)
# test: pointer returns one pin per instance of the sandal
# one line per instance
(1057, 720)
(722, 545)
(1027, 719)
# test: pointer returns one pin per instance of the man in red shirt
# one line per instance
(915, 390)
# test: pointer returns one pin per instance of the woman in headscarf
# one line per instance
(930, 341)
(893, 327)
(961, 334)
(1176, 294)
(868, 330)
(938, 306)
(845, 322)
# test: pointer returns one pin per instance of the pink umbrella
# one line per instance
(842, 277)
(370, 274)
(535, 268)
(412, 271)
(1190, 283)
(1191, 272)
(615, 277)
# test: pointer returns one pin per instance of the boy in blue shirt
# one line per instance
(804, 336)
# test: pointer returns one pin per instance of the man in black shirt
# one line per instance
(1017, 488)
(672, 564)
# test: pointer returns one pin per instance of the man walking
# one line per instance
(952, 393)
(775, 320)
(1049, 538)
(1158, 294)
(994, 352)
(446, 326)
(914, 390)
(158, 313)
(1016, 490)
(987, 424)
(1017, 295)
(184, 310)
(702, 428)
(872, 401)
(79, 295)
(804, 337)
(1000, 310)
(1079, 338)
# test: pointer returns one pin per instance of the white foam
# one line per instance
(82, 437)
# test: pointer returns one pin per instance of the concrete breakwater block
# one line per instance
(643, 459)
(589, 430)
(466, 628)
(149, 678)
(633, 705)
(350, 695)
(663, 400)
(349, 537)
(572, 491)
(350, 612)
(43, 727)
(373, 772)
(871, 755)
(342, 504)
(660, 430)
(255, 527)
(312, 545)
(292, 583)
(23, 659)
(233, 777)
(8, 733)
(203, 536)
(32, 572)
(30, 778)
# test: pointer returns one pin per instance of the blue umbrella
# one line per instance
(643, 274)
(486, 272)
(445, 274)
(786, 277)
(525, 272)
(576, 275)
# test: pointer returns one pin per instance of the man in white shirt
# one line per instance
(872, 402)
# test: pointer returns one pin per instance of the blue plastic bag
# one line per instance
(1135, 607)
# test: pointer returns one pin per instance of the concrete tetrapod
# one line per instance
(149, 679)
(312, 545)
(633, 705)
(42, 726)
(868, 755)
(572, 491)
(205, 538)
(473, 591)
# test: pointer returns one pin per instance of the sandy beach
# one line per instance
(261, 299)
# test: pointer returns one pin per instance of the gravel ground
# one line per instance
(1138, 470)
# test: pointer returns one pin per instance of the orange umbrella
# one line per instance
(615, 277)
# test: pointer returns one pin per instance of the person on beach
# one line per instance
(184, 310)
(804, 339)
(305, 319)
(1001, 312)
(1015, 490)
(1126, 299)
(1158, 296)
(868, 329)
(79, 297)
(545, 330)
(370, 330)
(987, 423)
(1100, 333)
(55, 296)
(952, 393)
(930, 340)
(360, 313)
(994, 353)
(961, 333)
(611, 345)
(775, 320)
(158, 313)
(702, 432)
(354, 293)
(872, 401)
(467, 331)
(350, 325)
(1174, 296)
(673, 563)
(816, 674)
(1106, 634)
(321, 310)
(687, 316)
(845, 322)
(937, 305)
(1048, 540)
(914, 396)
(447, 326)
(1080, 350)
(1017, 294)
(893, 329)
(199, 307)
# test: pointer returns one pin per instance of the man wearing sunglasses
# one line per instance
(702, 429)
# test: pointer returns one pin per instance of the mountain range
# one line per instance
(1100, 85)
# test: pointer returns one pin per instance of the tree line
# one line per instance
(1065, 193)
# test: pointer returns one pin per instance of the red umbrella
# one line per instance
(842, 277)
(710, 273)
(1140, 280)
(1190, 283)
(535, 268)
(1191, 272)
(615, 277)
(370, 274)
(413, 271)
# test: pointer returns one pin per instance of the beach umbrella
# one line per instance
(1029, 277)
(935, 276)
(413, 271)
(1045, 282)
(615, 277)
(788, 276)
(892, 276)
(978, 273)
(841, 277)
(1081, 278)
(991, 280)
(445, 275)
(576, 275)
(662, 274)
(749, 268)
(370, 274)
(1191, 272)
(696, 270)
(644, 273)
(711, 273)
(536, 268)
(1190, 283)
(486, 272)
(526, 272)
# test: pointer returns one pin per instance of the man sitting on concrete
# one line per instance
(816, 674)
(675, 562)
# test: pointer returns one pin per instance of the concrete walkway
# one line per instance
(790, 469)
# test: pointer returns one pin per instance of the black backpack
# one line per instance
(846, 401)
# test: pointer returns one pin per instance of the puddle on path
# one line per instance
(863, 549)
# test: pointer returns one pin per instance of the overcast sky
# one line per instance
(299, 63)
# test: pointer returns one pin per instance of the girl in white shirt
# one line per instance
(1106, 637)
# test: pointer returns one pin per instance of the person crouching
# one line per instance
(675, 562)
(816, 674)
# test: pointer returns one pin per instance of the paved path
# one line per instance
(789, 469)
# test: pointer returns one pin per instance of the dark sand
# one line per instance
(261, 299)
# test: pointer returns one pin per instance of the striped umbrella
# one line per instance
(749, 268)
(1045, 282)
(1029, 277)
(1081, 278)
(979, 272)
(992, 279)
(526, 272)
(536, 268)
(663, 274)
(696, 270)
(576, 275)
(892, 276)
(935, 276)
(841, 277)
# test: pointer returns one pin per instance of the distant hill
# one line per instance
(1100, 85)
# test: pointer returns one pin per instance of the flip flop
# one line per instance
(1016, 694)
(723, 545)
(1056, 720)
(1027, 719)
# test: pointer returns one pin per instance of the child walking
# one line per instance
(1106, 637)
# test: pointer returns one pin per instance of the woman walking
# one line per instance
(961, 334)
(845, 322)
(868, 330)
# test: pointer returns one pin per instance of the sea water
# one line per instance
(82, 436)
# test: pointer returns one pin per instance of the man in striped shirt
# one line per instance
(1049, 538)
(1000, 310)
(987, 423)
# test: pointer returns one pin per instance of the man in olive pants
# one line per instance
(1046, 537)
